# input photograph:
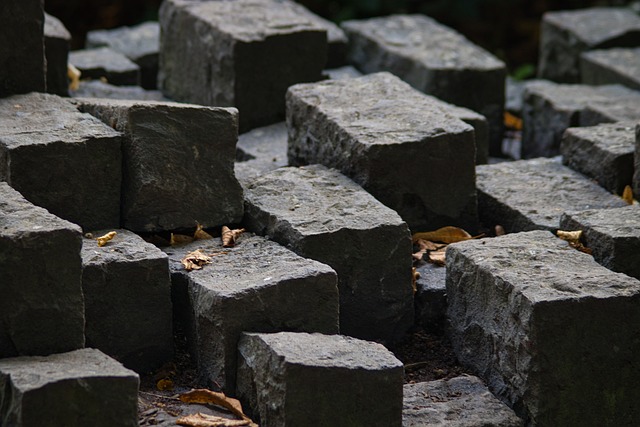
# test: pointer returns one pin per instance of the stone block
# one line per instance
(106, 63)
(457, 402)
(99, 89)
(80, 388)
(243, 53)
(552, 332)
(434, 59)
(301, 379)
(41, 308)
(58, 158)
(194, 144)
(636, 165)
(127, 297)
(256, 286)
(624, 108)
(368, 128)
(532, 194)
(320, 214)
(57, 42)
(611, 66)
(431, 297)
(261, 150)
(564, 35)
(603, 152)
(342, 73)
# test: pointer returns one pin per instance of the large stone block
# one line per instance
(261, 150)
(431, 297)
(57, 42)
(100, 89)
(103, 62)
(296, 379)
(636, 164)
(369, 127)
(624, 108)
(58, 158)
(611, 66)
(552, 332)
(178, 163)
(320, 214)
(243, 53)
(76, 389)
(41, 305)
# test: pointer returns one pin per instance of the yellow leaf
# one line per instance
(164, 384)
(103, 240)
(569, 236)
(512, 122)
(195, 260)
(627, 195)
(180, 239)
(414, 279)
(200, 234)
(204, 396)
(74, 77)
(445, 235)
(204, 420)
(229, 236)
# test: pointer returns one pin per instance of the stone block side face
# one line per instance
(611, 66)
(559, 53)
(636, 165)
(57, 42)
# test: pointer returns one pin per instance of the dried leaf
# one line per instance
(165, 384)
(424, 247)
(445, 235)
(204, 420)
(74, 77)
(414, 279)
(499, 230)
(627, 195)
(229, 236)
(437, 257)
(569, 236)
(204, 396)
(180, 239)
(200, 234)
(195, 260)
(103, 240)
(512, 122)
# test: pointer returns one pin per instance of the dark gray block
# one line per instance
(431, 297)
(313, 379)
(564, 35)
(106, 63)
(57, 42)
(261, 150)
(368, 127)
(76, 389)
(99, 89)
(178, 163)
(551, 331)
(636, 165)
(434, 59)
(611, 66)
(41, 308)
(320, 214)
(58, 158)
(243, 53)
(623, 108)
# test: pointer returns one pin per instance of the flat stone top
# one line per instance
(623, 108)
(623, 60)
(379, 109)
(334, 33)
(54, 28)
(133, 42)
(459, 112)
(126, 246)
(424, 40)
(577, 96)
(617, 222)
(131, 103)
(101, 57)
(99, 89)
(266, 140)
(617, 138)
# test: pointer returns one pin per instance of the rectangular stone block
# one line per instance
(41, 305)
(178, 163)
(80, 388)
(636, 165)
(320, 214)
(99, 89)
(369, 127)
(256, 286)
(552, 332)
(433, 59)
(261, 150)
(58, 158)
(298, 379)
(625, 108)
(243, 53)
(611, 66)
(103, 62)
(57, 42)
(431, 297)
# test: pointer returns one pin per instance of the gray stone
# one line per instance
(611, 66)
(636, 164)
(603, 152)
(76, 389)
(243, 53)
(434, 59)
(312, 379)
(457, 402)
(431, 297)
(564, 35)
(57, 42)
(106, 63)
(624, 108)
(127, 296)
(551, 331)
(261, 150)
(320, 214)
(194, 144)
(368, 127)
(58, 158)
(99, 89)
(41, 308)
(256, 286)
(342, 73)
(532, 194)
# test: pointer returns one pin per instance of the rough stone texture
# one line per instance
(320, 214)
(613, 235)
(611, 66)
(625, 108)
(60, 159)
(127, 296)
(312, 379)
(261, 150)
(251, 51)
(551, 331)
(76, 389)
(434, 59)
(41, 308)
(532, 194)
(636, 165)
(178, 166)
(342, 73)
(431, 297)
(57, 42)
(256, 286)
(368, 127)
(457, 402)
(104, 62)
(22, 57)
(564, 35)
(603, 152)
(98, 89)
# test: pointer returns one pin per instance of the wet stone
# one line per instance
(106, 63)
(57, 42)
(99, 89)
(261, 150)
(611, 66)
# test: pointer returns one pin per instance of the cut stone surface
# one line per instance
(104, 62)
(457, 402)
(434, 59)
(57, 42)
(80, 388)
(41, 306)
(243, 53)
(320, 214)
(564, 35)
(256, 286)
(98, 89)
(550, 330)
(431, 297)
(611, 66)
(603, 152)
(532, 194)
(342, 73)
(625, 108)
(636, 165)
(178, 165)
(127, 295)
(312, 379)
(368, 127)
(261, 150)
(58, 158)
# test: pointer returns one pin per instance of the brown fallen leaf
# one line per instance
(203, 420)
(195, 260)
(627, 195)
(204, 396)
(165, 384)
(447, 234)
(573, 237)
(512, 122)
(424, 247)
(180, 239)
(437, 257)
(414, 279)
(103, 240)
(229, 236)
(74, 77)
(200, 234)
